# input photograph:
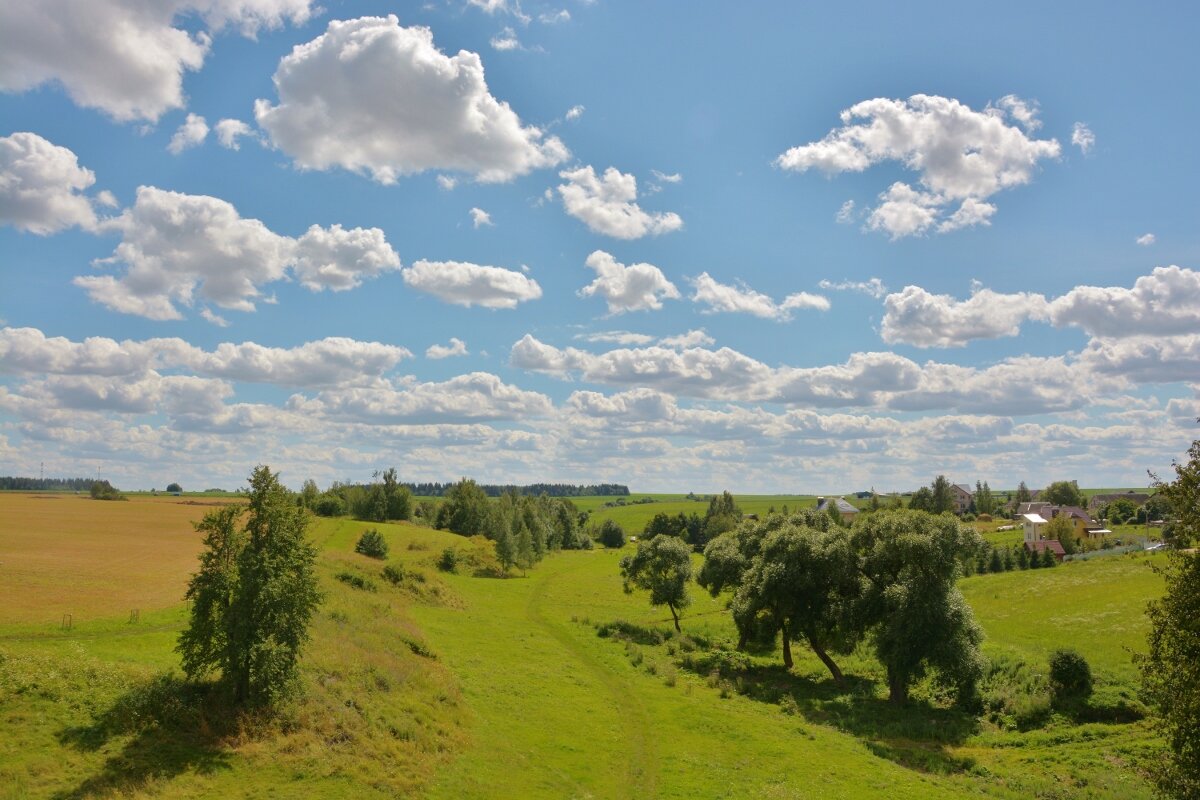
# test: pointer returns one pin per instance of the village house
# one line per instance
(962, 497)
(1034, 543)
(847, 511)
(1099, 501)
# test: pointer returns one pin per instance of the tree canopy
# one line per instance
(1063, 493)
(663, 567)
(912, 605)
(1171, 668)
(254, 595)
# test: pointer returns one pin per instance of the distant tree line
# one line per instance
(532, 489)
(19, 484)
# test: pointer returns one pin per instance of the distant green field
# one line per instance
(634, 516)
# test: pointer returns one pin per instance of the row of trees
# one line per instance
(890, 579)
(524, 528)
(533, 489)
(722, 515)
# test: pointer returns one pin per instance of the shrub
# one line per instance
(448, 561)
(393, 574)
(984, 518)
(357, 581)
(103, 490)
(329, 505)
(611, 534)
(372, 544)
(1070, 676)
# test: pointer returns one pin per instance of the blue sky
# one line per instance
(683, 247)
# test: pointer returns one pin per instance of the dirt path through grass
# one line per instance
(642, 772)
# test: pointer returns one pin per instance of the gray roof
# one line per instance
(842, 506)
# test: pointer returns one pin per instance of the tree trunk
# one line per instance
(743, 638)
(897, 688)
(829, 663)
(675, 617)
(787, 646)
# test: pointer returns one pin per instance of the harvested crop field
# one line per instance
(68, 554)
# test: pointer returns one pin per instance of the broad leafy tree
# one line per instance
(803, 585)
(254, 596)
(942, 499)
(663, 567)
(728, 557)
(1023, 493)
(1063, 493)
(911, 603)
(1171, 670)
(922, 500)
(1061, 529)
(465, 510)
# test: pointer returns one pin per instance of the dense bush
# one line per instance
(611, 534)
(357, 581)
(103, 490)
(448, 560)
(372, 544)
(1070, 676)
(329, 505)
(393, 574)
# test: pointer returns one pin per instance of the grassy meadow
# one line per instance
(454, 686)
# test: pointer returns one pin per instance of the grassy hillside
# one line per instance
(453, 686)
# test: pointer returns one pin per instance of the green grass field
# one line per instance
(451, 686)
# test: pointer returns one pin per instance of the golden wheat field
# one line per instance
(68, 554)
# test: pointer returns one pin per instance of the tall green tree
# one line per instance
(1063, 493)
(1061, 529)
(723, 515)
(911, 602)
(663, 567)
(1023, 493)
(803, 584)
(728, 557)
(524, 557)
(921, 500)
(1171, 669)
(254, 596)
(1183, 494)
(465, 510)
(204, 644)
(943, 500)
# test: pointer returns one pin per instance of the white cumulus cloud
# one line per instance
(191, 133)
(467, 284)
(607, 204)
(962, 157)
(124, 57)
(917, 317)
(741, 299)
(376, 98)
(457, 347)
(177, 248)
(229, 131)
(41, 185)
(479, 218)
(1147, 239)
(636, 287)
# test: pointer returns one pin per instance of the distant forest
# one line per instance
(46, 484)
(535, 489)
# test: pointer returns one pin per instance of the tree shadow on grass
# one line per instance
(916, 735)
(174, 727)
